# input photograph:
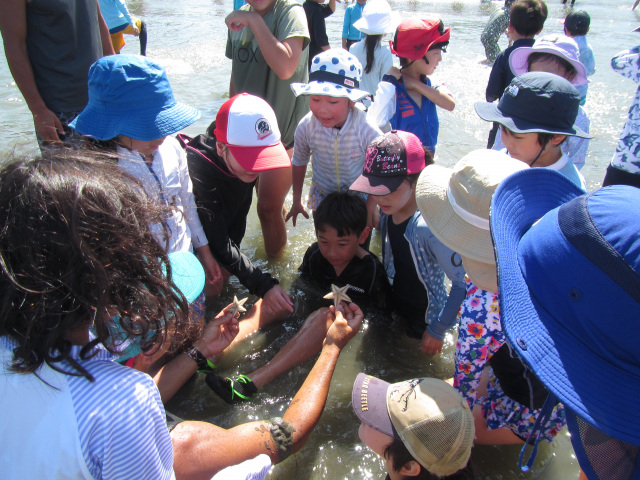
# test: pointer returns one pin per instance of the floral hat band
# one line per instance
(325, 76)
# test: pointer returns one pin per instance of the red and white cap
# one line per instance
(248, 126)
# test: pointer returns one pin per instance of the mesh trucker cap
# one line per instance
(428, 415)
(247, 125)
(390, 158)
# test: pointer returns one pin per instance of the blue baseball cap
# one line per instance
(569, 282)
(130, 95)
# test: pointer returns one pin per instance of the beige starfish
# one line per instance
(338, 294)
(237, 307)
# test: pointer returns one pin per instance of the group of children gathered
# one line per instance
(438, 267)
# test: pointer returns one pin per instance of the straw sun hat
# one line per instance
(455, 202)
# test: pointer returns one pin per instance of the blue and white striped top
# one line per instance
(120, 417)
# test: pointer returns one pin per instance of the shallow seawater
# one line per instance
(189, 43)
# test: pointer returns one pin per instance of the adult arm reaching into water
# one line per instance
(201, 449)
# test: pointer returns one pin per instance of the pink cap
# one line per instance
(390, 158)
(248, 126)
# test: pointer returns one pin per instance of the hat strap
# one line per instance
(324, 76)
(541, 421)
(577, 226)
(467, 216)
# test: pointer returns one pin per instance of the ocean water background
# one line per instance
(188, 40)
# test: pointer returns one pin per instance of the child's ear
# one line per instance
(363, 235)
(220, 148)
(557, 140)
(410, 469)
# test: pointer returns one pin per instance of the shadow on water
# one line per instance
(189, 42)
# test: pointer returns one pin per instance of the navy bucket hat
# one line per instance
(130, 95)
(536, 102)
(569, 280)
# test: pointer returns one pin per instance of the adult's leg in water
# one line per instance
(495, 27)
(143, 37)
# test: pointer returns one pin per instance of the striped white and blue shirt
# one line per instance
(121, 421)
(338, 154)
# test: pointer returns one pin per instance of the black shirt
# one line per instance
(409, 295)
(223, 203)
(316, 13)
(366, 277)
(501, 74)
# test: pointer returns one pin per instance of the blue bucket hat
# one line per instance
(130, 95)
(569, 280)
(536, 102)
(334, 73)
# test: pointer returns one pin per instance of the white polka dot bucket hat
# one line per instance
(334, 73)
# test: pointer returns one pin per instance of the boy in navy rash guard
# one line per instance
(338, 256)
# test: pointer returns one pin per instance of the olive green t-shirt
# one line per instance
(252, 74)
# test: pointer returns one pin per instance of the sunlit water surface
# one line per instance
(188, 40)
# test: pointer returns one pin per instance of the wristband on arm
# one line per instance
(204, 364)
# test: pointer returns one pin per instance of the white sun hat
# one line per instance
(334, 73)
(377, 18)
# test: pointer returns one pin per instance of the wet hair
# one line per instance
(371, 42)
(570, 70)
(344, 211)
(400, 456)
(76, 248)
(528, 16)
